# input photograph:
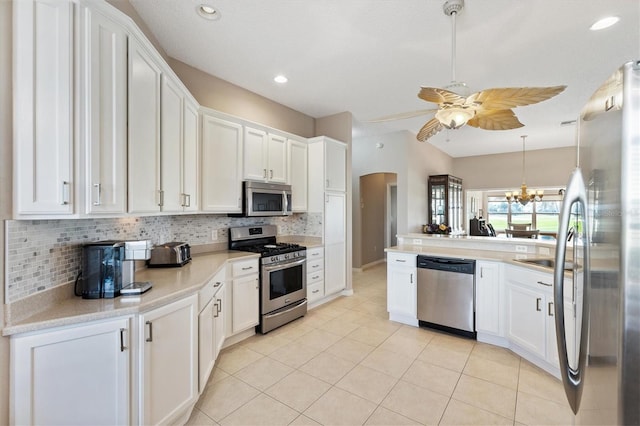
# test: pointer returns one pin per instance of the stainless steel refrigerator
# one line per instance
(599, 346)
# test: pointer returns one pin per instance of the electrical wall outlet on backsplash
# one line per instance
(42, 254)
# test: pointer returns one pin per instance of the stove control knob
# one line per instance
(274, 258)
(286, 256)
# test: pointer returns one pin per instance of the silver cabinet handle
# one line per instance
(271, 174)
(216, 311)
(161, 197)
(550, 310)
(400, 260)
(247, 268)
(122, 346)
(219, 305)
(150, 338)
(538, 300)
(572, 379)
(99, 197)
(315, 266)
(315, 291)
(481, 270)
(411, 278)
(315, 277)
(186, 200)
(264, 173)
(545, 284)
(65, 193)
(217, 284)
(328, 183)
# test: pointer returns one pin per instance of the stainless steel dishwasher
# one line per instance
(446, 294)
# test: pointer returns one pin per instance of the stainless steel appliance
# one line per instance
(283, 274)
(601, 370)
(170, 254)
(446, 290)
(108, 268)
(266, 199)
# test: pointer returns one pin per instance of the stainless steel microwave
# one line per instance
(266, 199)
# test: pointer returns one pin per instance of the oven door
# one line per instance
(283, 284)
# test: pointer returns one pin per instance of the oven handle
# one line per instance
(284, 265)
(289, 309)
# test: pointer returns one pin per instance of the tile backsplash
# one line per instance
(42, 254)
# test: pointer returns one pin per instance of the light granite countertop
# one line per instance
(169, 284)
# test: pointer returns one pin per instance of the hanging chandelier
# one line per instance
(525, 195)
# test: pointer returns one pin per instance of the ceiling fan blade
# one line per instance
(501, 119)
(402, 115)
(440, 96)
(505, 98)
(432, 127)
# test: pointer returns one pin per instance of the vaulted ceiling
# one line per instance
(370, 57)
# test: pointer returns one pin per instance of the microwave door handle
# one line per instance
(284, 265)
(286, 202)
(572, 379)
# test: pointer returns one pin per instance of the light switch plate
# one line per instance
(521, 249)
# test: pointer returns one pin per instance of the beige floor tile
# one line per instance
(198, 418)
(350, 350)
(294, 354)
(217, 375)
(265, 343)
(339, 326)
(486, 395)
(420, 334)
(328, 367)
(303, 420)
(319, 339)
(236, 358)
(407, 346)
(367, 383)
(454, 343)
(418, 404)
(339, 407)
(371, 308)
(432, 377)
(298, 390)
(314, 319)
(291, 331)
(459, 413)
(444, 357)
(496, 353)
(531, 410)
(262, 410)
(391, 363)
(384, 417)
(224, 397)
(331, 309)
(369, 336)
(492, 371)
(263, 373)
(535, 381)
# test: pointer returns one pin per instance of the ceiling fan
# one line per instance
(489, 109)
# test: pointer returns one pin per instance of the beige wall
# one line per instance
(544, 168)
(6, 129)
(373, 210)
(218, 94)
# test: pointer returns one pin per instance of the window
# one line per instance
(542, 215)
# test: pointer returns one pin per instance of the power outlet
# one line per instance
(417, 242)
(544, 251)
(521, 249)
(214, 235)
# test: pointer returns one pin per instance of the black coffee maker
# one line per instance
(104, 271)
(480, 228)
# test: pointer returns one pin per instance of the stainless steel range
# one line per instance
(283, 274)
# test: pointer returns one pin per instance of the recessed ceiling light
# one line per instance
(208, 12)
(604, 23)
(280, 79)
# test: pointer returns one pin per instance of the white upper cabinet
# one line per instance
(265, 156)
(171, 198)
(145, 78)
(335, 166)
(103, 112)
(190, 167)
(221, 165)
(297, 160)
(43, 107)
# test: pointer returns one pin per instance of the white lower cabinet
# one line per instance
(315, 274)
(402, 290)
(72, 375)
(527, 319)
(211, 330)
(489, 299)
(169, 361)
(244, 296)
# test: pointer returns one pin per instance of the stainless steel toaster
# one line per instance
(170, 254)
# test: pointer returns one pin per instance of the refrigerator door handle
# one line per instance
(572, 379)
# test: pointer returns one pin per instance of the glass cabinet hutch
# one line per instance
(445, 201)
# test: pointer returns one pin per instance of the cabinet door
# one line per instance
(255, 154)
(335, 166)
(43, 102)
(171, 199)
(526, 318)
(245, 311)
(297, 171)
(221, 165)
(74, 375)
(144, 131)
(335, 218)
(402, 292)
(277, 159)
(190, 167)
(488, 298)
(206, 348)
(103, 60)
(219, 326)
(335, 268)
(169, 360)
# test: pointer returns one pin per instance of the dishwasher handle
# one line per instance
(462, 266)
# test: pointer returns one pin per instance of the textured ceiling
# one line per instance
(370, 57)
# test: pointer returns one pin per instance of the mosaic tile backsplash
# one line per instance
(42, 254)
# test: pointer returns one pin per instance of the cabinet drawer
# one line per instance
(315, 291)
(245, 267)
(315, 253)
(314, 277)
(315, 265)
(401, 259)
(207, 293)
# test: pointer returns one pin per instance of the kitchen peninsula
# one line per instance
(512, 297)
